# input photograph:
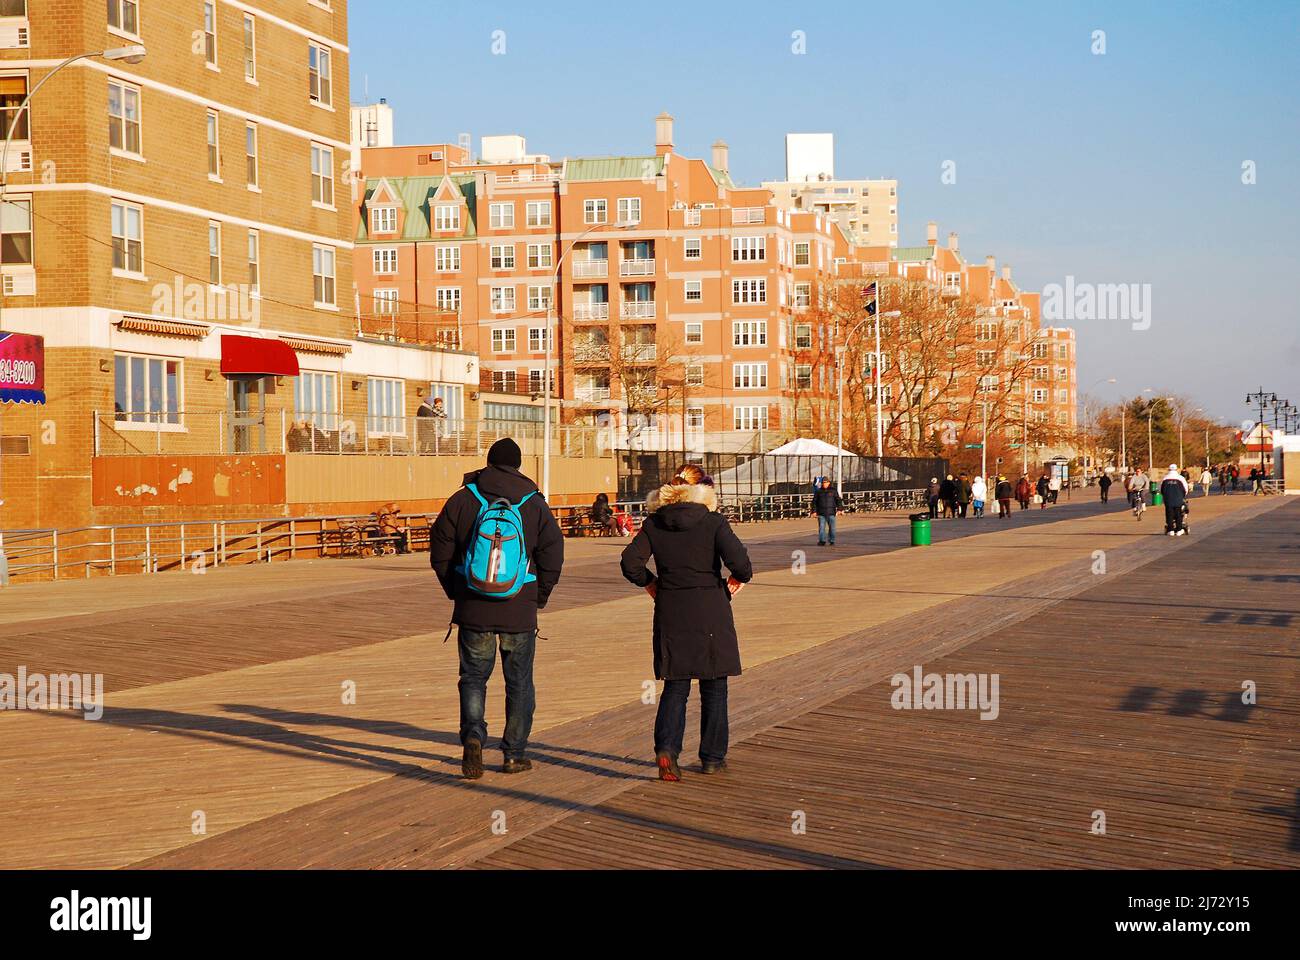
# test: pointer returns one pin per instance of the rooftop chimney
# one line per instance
(1006, 272)
(991, 262)
(952, 242)
(663, 134)
(932, 233)
(721, 156)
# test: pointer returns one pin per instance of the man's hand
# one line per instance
(652, 588)
(734, 586)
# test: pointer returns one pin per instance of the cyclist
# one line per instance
(1137, 492)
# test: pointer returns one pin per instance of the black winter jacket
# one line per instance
(694, 633)
(450, 536)
(826, 503)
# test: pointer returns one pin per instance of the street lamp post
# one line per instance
(1087, 425)
(1263, 398)
(1151, 412)
(839, 402)
(550, 346)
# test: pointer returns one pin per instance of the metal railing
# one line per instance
(591, 311)
(748, 215)
(638, 310)
(643, 267)
(590, 269)
(206, 432)
(797, 506)
(440, 329)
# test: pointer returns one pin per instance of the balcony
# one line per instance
(590, 269)
(638, 310)
(590, 351)
(637, 268)
(951, 290)
(590, 311)
(741, 215)
(639, 352)
(591, 393)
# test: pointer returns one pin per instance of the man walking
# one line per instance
(932, 495)
(497, 551)
(963, 490)
(1104, 484)
(1173, 490)
(1003, 490)
(826, 503)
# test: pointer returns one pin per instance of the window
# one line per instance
(504, 381)
(123, 15)
(210, 33)
(695, 374)
(539, 297)
(749, 333)
(502, 256)
(986, 331)
(803, 376)
(749, 376)
(13, 91)
(322, 175)
(1040, 395)
(803, 295)
(694, 418)
(801, 253)
(540, 256)
(16, 231)
(447, 259)
(386, 407)
(446, 216)
(748, 249)
(694, 291)
(695, 333)
(501, 216)
(629, 209)
(146, 389)
(988, 384)
(322, 275)
(692, 250)
(128, 238)
(383, 220)
(316, 399)
(1063, 352)
(750, 418)
(385, 260)
(1062, 396)
(803, 338)
(448, 298)
(595, 211)
(214, 147)
(886, 393)
(250, 47)
(539, 213)
(319, 80)
(749, 291)
(254, 261)
(984, 358)
(385, 301)
(123, 116)
(250, 151)
(503, 300)
(535, 382)
(214, 253)
(537, 340)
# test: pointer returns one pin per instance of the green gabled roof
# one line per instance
(723, 178)
(414, 194)
(914, 253)
(612, 168)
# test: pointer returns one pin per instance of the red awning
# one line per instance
(257, 357)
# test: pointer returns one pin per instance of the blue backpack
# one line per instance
(496, 558)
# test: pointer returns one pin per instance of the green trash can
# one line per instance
(920, 529)
(1156, 499)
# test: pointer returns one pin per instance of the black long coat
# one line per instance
(694, 633)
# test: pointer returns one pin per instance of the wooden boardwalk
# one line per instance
(1114, 697)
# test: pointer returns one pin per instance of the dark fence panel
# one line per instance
(761, 475)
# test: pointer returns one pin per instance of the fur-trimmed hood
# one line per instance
(669, 494)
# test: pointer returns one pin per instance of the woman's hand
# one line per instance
(734, 586)
(652, 588)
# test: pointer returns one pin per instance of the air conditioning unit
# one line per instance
(436, 155)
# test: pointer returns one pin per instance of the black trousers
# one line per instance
(670, 721)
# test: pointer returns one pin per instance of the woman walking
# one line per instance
(694, 633)
(979, 492)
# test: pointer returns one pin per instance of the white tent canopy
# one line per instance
(796, 464)
(809, 447)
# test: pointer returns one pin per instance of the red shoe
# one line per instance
(668, 769)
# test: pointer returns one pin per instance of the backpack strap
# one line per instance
(472, 488)
(525, 499)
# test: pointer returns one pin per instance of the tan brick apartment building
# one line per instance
(156, 214)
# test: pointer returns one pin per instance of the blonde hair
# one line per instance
(689, 475)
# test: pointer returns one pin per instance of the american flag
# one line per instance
(869, 298)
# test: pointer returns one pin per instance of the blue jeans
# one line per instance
(670, 721)
(478, 655)
(825, 524)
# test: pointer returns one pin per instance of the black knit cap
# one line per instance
(505, 453)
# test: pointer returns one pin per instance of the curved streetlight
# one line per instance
(1151, 410)
(550, 339)
(839, 402)
(1085, 414)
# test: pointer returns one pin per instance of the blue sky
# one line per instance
(1124, 167)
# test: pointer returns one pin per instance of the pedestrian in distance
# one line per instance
(826, 503)
(694, 631)
(1042, 489)
(948, 495)
(1225, 476)
(1236, 477)
(932, 494)
(1138, 485)
(498, 552)
(963, 489)
(1104, 485)
(979, 492)
(1173, 491)
(1024, 491)
(1207, 479)
(1004, 491)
